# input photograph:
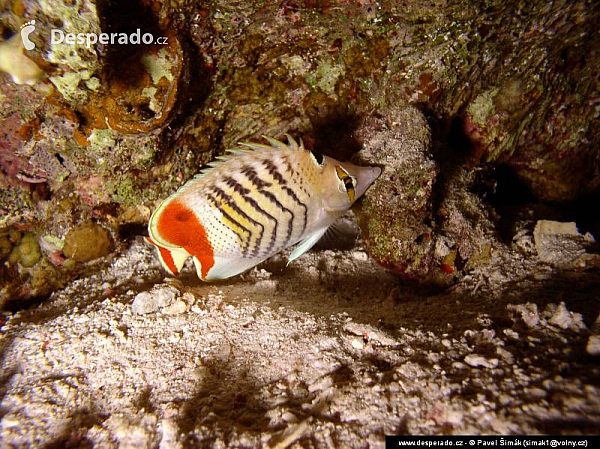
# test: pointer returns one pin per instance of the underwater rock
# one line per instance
(147, 85)
(8, 239)
(550, 148)
(160, 297)
(396, 209)
(560, 244)
(25, 274)
(516, 81)
(425, 235)
(539, 119)
(87, 242)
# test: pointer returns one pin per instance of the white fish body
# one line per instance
(252, 205)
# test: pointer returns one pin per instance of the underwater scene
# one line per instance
(299, 223)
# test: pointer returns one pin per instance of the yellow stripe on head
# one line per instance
(348, 182)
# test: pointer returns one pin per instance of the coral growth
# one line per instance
(395, 213)
(114, 128)
(87, 242)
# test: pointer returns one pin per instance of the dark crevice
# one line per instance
(513, 201)
(125, 17)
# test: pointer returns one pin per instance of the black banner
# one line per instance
(576, 441)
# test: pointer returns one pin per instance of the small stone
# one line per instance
(360, 256)
(500, 426)
(458, 365)
(177, 308)
(528, 313)
(593, 345)
(506, 355)
(170, 431)
(289, 417)
(143, 303)
(454, 417)
(559, 243)
(188, 298)
(480, 361)
(565, 319)
(159, 297)
(535, 394)
(357, 344)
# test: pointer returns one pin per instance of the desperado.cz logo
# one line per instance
(26, 29)
(89, 39)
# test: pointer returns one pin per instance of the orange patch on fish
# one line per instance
(179, 225)
(168, 259)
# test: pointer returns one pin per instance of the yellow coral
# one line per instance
(87, 242)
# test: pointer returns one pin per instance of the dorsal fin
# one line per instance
(275, 144)
(232, 153)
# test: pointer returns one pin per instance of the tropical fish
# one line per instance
(252, 204)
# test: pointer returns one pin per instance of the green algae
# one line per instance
(483, 106)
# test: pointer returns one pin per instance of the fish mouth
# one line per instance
(365, 176)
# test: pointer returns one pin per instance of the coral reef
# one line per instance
(109, 129)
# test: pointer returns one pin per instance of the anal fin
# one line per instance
(172, 259)
(225, 267)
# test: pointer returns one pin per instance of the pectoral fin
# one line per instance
(306, 244)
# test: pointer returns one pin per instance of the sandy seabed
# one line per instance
(330, 351)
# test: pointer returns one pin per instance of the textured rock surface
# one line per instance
(561, 244)
(396, 214)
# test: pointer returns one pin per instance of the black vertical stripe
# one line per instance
(260, 210)
(274, 172)
(254, 179)
(231, 203)
(292, 195)
(281, 179)
(244, 193)
(236, 186)
(218, 204)
(273, 199)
